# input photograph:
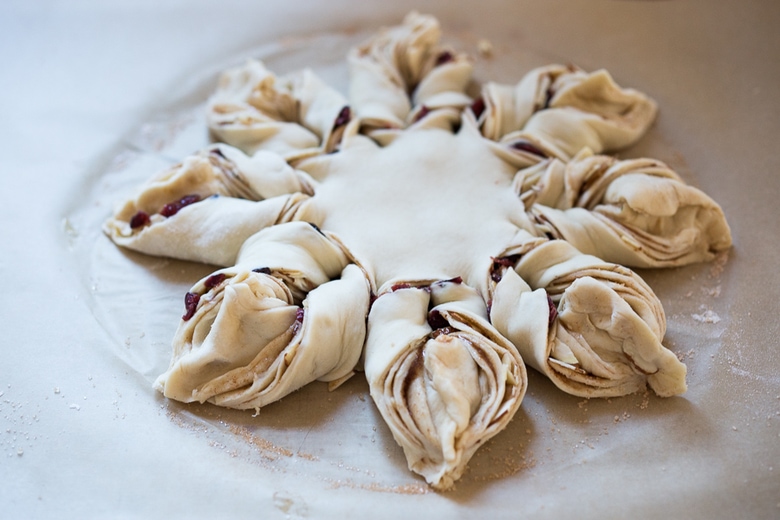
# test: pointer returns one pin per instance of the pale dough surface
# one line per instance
(439, 195)
(99, 99)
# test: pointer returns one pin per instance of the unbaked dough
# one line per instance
(442, 242)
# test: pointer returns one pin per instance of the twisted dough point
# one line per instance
(232, 196)
(403, 72)
(603, 339)
(556, 111)
(635, 212)
(445, 387)
(246, 342)
(296, 116)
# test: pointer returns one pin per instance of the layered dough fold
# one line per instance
(291, 311)
(592, 327)
(206, 207)
(417, 187)
(295, 116)
(443, 378)
(556, 111)
(635, 212)
(403, 72)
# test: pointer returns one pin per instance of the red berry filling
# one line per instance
(478, 106)
(499, 264)
(142, 218)
(553, 312)
(190, 305)
(525, 146)
(444, 57)
(343, 118)
(424, 111)
(214, 280)
(218, 152)
(175, 206)
(437, 321)
(298, 320)
(139, 220)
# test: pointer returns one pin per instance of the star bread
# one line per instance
(434, 236)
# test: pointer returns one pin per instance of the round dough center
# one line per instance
(431, 205)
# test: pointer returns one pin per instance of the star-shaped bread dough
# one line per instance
(436, 239)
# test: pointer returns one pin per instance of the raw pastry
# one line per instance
(204, 208)
(443, 378)
(253, 333)
(594, 328)
(635, 212)
(294, 116)
(556, 111)
(427, 233)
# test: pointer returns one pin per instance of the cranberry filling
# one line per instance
(437, 321)
(525, 146)
(444, 57)
(298, 320)
(262, 270)
(478, 106)
(548, 97)
(505, 261)
(553, 312)
(217, 151)
(400, 286)
(343, 118)
(140, 219)
(190, 304)
(214, 280)
(424, 111)
(175, 206)
(499, 264)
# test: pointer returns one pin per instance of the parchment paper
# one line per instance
(98, 96)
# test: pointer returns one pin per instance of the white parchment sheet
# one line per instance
(97, 96)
